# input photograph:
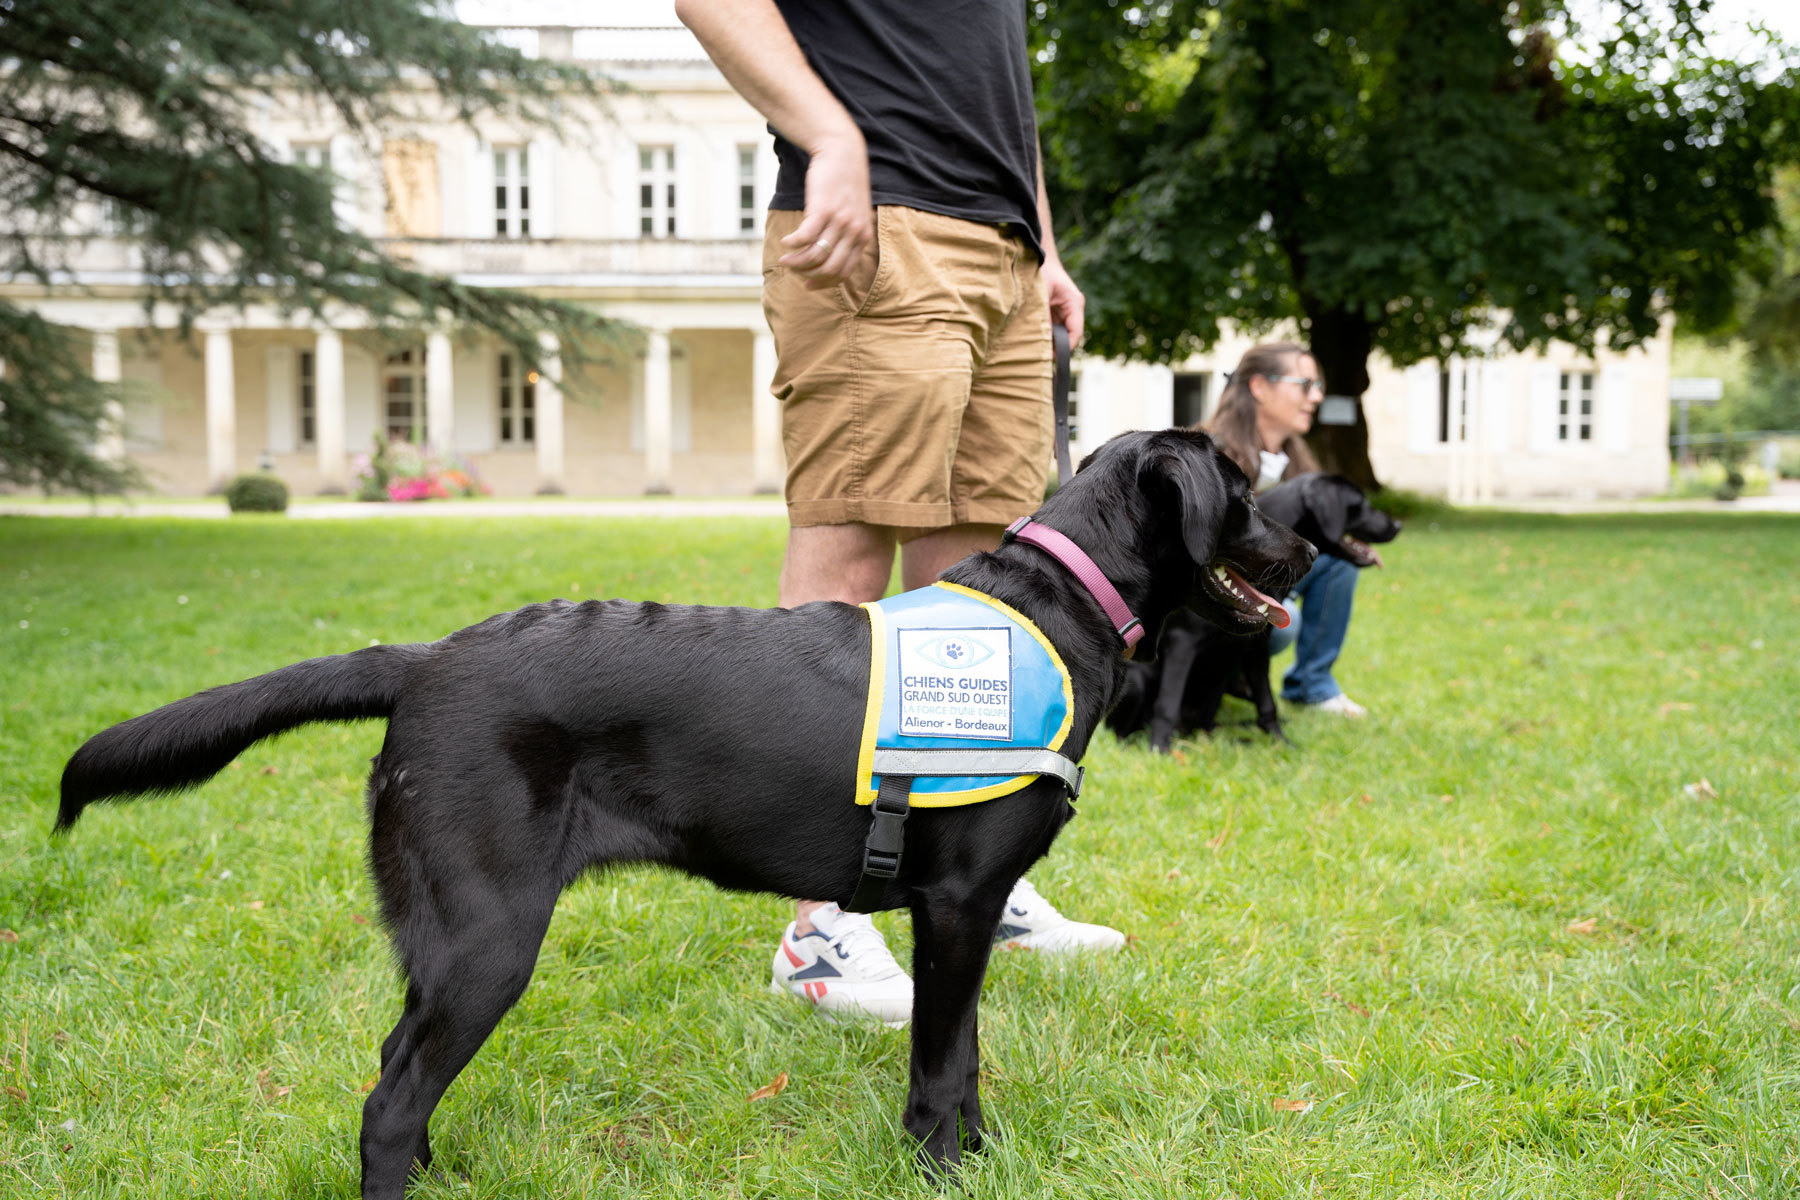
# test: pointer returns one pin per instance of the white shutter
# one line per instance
(681, 400)
(1422, 407)
(541, 176)
(347, 165)
(1159, 396)
(1496, 406)
(1612, 401)
(363, 416)
(1545, 380)
(144, 412)
(1093, 419)
(475, 397)
(623, 176)
(478, 190)
(634, 440)
(283, 381)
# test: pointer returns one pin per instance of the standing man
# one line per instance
(909, 277)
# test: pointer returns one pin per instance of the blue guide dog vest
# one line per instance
(967, 699)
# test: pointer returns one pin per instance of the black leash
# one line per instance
(1059, 396)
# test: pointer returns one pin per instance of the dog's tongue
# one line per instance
(1275, 614)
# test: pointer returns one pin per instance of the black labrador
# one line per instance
(549, 741)
(1198, 664)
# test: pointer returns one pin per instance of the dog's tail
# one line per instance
(188, 742)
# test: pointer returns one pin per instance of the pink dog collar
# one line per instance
(1060, 547)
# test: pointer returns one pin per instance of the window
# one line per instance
(518, 403)
(316, 155)
(656, 191)
(512, 192)
(309, 398)
(1453, 406)
(1575, 407)
(1190, 396)
(1074, 405)
(403, 394)
(746, 189)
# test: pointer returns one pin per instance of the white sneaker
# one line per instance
(1030, 922)
(843, 969)
(1340, 705)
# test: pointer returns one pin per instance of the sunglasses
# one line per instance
(1307, 384)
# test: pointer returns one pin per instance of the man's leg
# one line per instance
(837, 960)
(851, 563)
(928, 556)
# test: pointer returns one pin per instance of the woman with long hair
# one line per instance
(1260, 423)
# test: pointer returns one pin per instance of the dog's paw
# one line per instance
(939, 1153)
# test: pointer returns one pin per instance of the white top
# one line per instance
(1273, 464)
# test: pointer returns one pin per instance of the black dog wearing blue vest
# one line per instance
(549, 741)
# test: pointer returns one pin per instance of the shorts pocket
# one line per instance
(865, 284)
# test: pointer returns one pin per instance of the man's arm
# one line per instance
(752, 46)
(1067, 304)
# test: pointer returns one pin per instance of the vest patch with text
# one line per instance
(951, 668)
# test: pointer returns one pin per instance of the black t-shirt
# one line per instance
(941, 90)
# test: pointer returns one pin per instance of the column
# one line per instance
(440, 394)
(111, 444)
(549, 403)
(328, 413)
(221, 410)
(765, 415)
(659, 414)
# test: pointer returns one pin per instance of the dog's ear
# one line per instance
(1330, 498)
(1187, 475)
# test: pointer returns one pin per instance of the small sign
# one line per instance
(956, 683)
(1697, 389)
(1336, 410)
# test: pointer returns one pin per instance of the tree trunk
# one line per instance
(1341, 342)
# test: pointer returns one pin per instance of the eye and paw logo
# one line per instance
(954, 650)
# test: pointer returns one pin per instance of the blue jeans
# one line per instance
(1327, 593)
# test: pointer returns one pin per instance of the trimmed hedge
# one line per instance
(256, 493)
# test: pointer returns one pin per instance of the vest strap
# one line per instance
(978, 761)
(886, 841)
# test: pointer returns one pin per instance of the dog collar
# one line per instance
(1060, 547)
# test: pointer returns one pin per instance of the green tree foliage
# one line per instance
(1771, 302)
(1399, 175)
(146, 111)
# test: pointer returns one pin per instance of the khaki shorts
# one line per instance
(918, 394)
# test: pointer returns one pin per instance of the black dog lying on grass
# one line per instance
(562, 737)
(1198, 664)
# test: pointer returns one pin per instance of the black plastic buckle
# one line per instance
(887, 831)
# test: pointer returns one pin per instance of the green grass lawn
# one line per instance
(1483, 944)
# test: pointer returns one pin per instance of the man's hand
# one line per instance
(839, 221)
(756, 51)
(1067, 304)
